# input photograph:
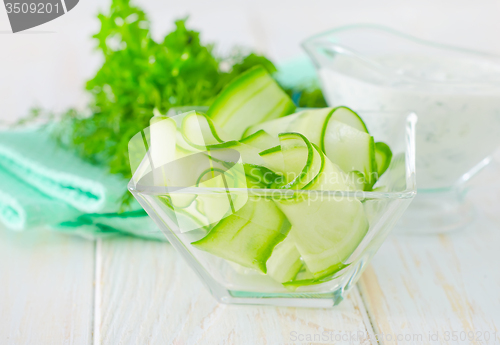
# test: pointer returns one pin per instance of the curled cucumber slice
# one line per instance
(383, 156)
(248, 236)
(301, 161)
(326, 229)
(273, 159)
(284, 263)
(199, 131)
(261, 140)
(311, 122)
(351, 149)
(251, 98)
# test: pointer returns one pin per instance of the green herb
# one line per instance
(139, 74)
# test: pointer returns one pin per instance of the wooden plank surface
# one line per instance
(46, 288)
(150, 296)
(441, 289)
(418, 289)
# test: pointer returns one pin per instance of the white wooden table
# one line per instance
(56, 289)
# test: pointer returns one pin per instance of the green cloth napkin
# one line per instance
(44, 184)
(22, 206)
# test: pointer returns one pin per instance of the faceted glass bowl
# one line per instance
(454, 91)
(231, 283)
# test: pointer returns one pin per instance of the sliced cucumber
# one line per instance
(213, 208)
(248, 154)
(199, 131)
(273, 159)
(200, 170)
(302, 161)
(325, 229)
(260, 176)
(326, 232)
(188, 218)
(181, 152)
(304, 274)
(218, 205)
(383, 156)
(303, 278)
(317, 126)
(304, 165)
(261, 140)
(284, 263)
(347, 116)
(308, 122)
(357, 180)
(351, 150)
(273, 127)
(181, 200)
(330, 176)
(299, 240)
(311, 122)
(162, 147)
(163, 132)
(251, 98)
(183, 147)
(257, 174)
(248, 236)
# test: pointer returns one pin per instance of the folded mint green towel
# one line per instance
(44, 184)
(34, 157)
(22, 206)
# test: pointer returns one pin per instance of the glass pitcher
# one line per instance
(455, 93)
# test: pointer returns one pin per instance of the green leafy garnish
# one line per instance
(140, 74)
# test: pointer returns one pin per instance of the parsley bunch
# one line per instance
(138, 75)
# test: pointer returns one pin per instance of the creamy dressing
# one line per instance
(457, 103)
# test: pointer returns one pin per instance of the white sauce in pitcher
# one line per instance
(457, 103)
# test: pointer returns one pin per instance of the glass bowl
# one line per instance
(455, 92)
(188, 211)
